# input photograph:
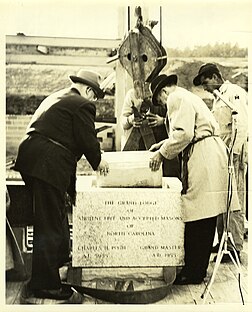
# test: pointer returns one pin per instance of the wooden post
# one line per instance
(121, 78)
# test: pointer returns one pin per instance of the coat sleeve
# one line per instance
(85, 134)
(127, 110)
(181, 116)
(239, 99)
(223, 115)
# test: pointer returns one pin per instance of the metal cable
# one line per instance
(160, 17)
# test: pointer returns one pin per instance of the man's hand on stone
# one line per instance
(103, 167)
(156, 161)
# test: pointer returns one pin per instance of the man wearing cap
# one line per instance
(61, 131)
(210, 77)
(194, 132)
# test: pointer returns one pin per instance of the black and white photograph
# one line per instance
(125, 155)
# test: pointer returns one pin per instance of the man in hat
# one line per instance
(61, 131)
(194, 132)
(210, 77)
(156, 121)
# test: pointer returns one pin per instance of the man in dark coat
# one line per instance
(61, 131)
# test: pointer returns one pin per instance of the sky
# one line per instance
(184, 23)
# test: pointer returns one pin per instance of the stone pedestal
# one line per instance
(128, 231)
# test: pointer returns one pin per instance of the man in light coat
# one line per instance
(194, 132)
(210, 77)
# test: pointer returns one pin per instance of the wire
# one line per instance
(239, 283)
(229, 199)
(230, 185)
(160, 35)
(128, 18)
(239, 274)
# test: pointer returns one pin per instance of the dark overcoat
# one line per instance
(60, 132)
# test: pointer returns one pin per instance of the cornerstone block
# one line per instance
(129, 169)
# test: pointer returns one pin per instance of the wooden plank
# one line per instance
(243, 277)
(225, 286)
(24, 297)
(182, 294)
(93, 61)
(196, 293)
(233, 287)
(223, 290)
(244, 265)
(63, 42)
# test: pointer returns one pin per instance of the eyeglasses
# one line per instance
(93, 95)
(165, 91)
(204, 83)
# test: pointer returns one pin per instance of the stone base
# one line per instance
(128, 227)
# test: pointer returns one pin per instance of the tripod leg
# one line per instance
(218, 261)
(235, 261)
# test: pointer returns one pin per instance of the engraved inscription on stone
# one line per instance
(128, 228)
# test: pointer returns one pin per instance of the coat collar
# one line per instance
(224, 86)
(74, 90)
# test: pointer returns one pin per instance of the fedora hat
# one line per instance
(89, 78)
(208, 68)
(160, 82)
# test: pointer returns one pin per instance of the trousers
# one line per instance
(51, 236)
(237, 218)
(198, 241)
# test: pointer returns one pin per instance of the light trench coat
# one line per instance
(222, 113)
(190, 120)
